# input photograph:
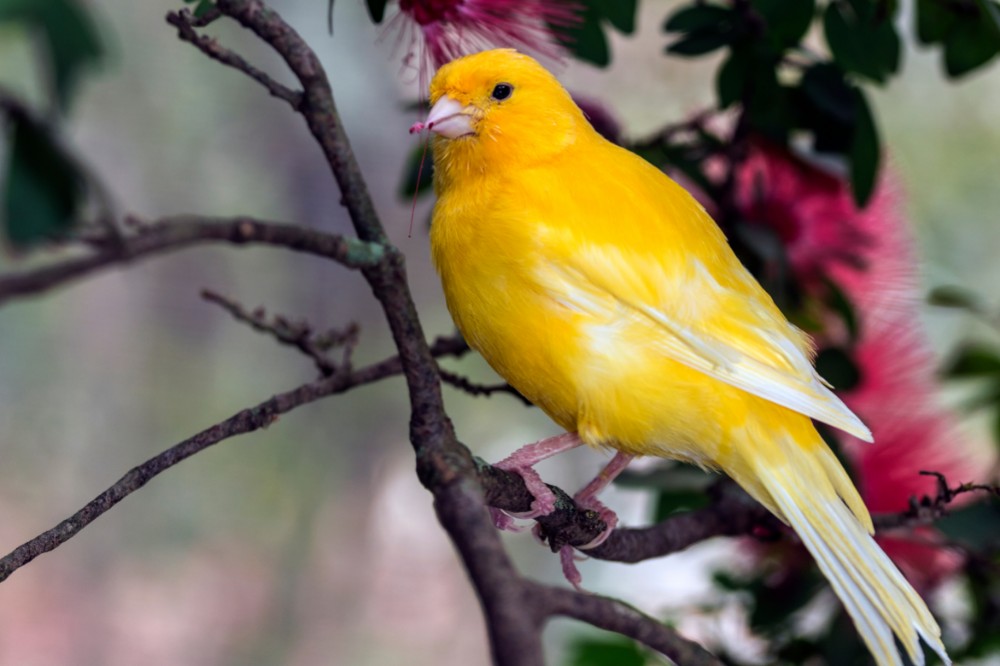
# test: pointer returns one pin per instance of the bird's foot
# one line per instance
(610, 518)
(503, 521)
(545, 500)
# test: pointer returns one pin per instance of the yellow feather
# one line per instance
(605, 294)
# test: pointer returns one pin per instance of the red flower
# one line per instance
(453, 28)
(869, 254)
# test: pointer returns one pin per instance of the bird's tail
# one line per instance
(806, 486)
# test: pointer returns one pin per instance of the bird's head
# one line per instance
(502, 109)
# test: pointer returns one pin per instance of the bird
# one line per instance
(605, 294)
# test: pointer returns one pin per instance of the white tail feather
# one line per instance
(876, 595)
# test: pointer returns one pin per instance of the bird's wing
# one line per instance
(718, 321)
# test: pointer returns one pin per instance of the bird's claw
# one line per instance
(568, 559)
(545, 500)
(504, 521)
(609, 517)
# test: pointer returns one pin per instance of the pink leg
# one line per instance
(587, 498)
(523, 461)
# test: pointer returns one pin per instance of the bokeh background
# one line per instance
(312, 542)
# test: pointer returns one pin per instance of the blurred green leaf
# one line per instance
(376, 9)
(842, 643)
(948, 296)
(837, 367)
(731, 583)
(976, 525)
(70, 37)
(419, 168)
(862, 38)
(43, 189)
(705, 28)
(865, 152)
(798, 650)
(787, 22)
(673, 476)
(972, 41)
(205, 5)
(699, 42)
(615, 651)
(619, 13)
(776, 603)
(825, 86)
(585, 40)
(699, 17)
(934, 21)
(732, 78)
(669, 502)
(973, 360)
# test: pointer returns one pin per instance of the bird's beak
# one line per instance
(449, 118)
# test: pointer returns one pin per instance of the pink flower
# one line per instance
(869, 254)
(453, 28)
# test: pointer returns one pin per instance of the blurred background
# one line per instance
(312, 542)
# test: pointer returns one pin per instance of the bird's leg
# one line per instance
(587, 498)
(522, 462)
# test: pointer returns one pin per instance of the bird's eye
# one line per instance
(502, 91)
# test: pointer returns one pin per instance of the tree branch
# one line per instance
(617, 616)
(184, 231)
(185, 23)
(245, 421)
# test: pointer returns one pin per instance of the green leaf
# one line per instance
(825, 86)
(732, 78)
(699, 17)
(837, 367)
(699, 43)
(670, 502)
(973, 360)
(787, 22)
(619, 13)
(865, 153)
(862, 39)
(616, 651)
(950, 296)
(769, 109)
(775, 604)
(934, 21)
(376, 9)
(977, 525)
(585, 40)
(972, 42)
(43, 190)
(418, 173)
(205, 6)
(70, 36)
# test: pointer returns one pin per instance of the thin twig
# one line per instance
(294, 334)
(472, 388)
(925, 510)
(185, 23)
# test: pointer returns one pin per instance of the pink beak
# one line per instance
(447, 118)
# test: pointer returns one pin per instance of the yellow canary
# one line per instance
(605, 294)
